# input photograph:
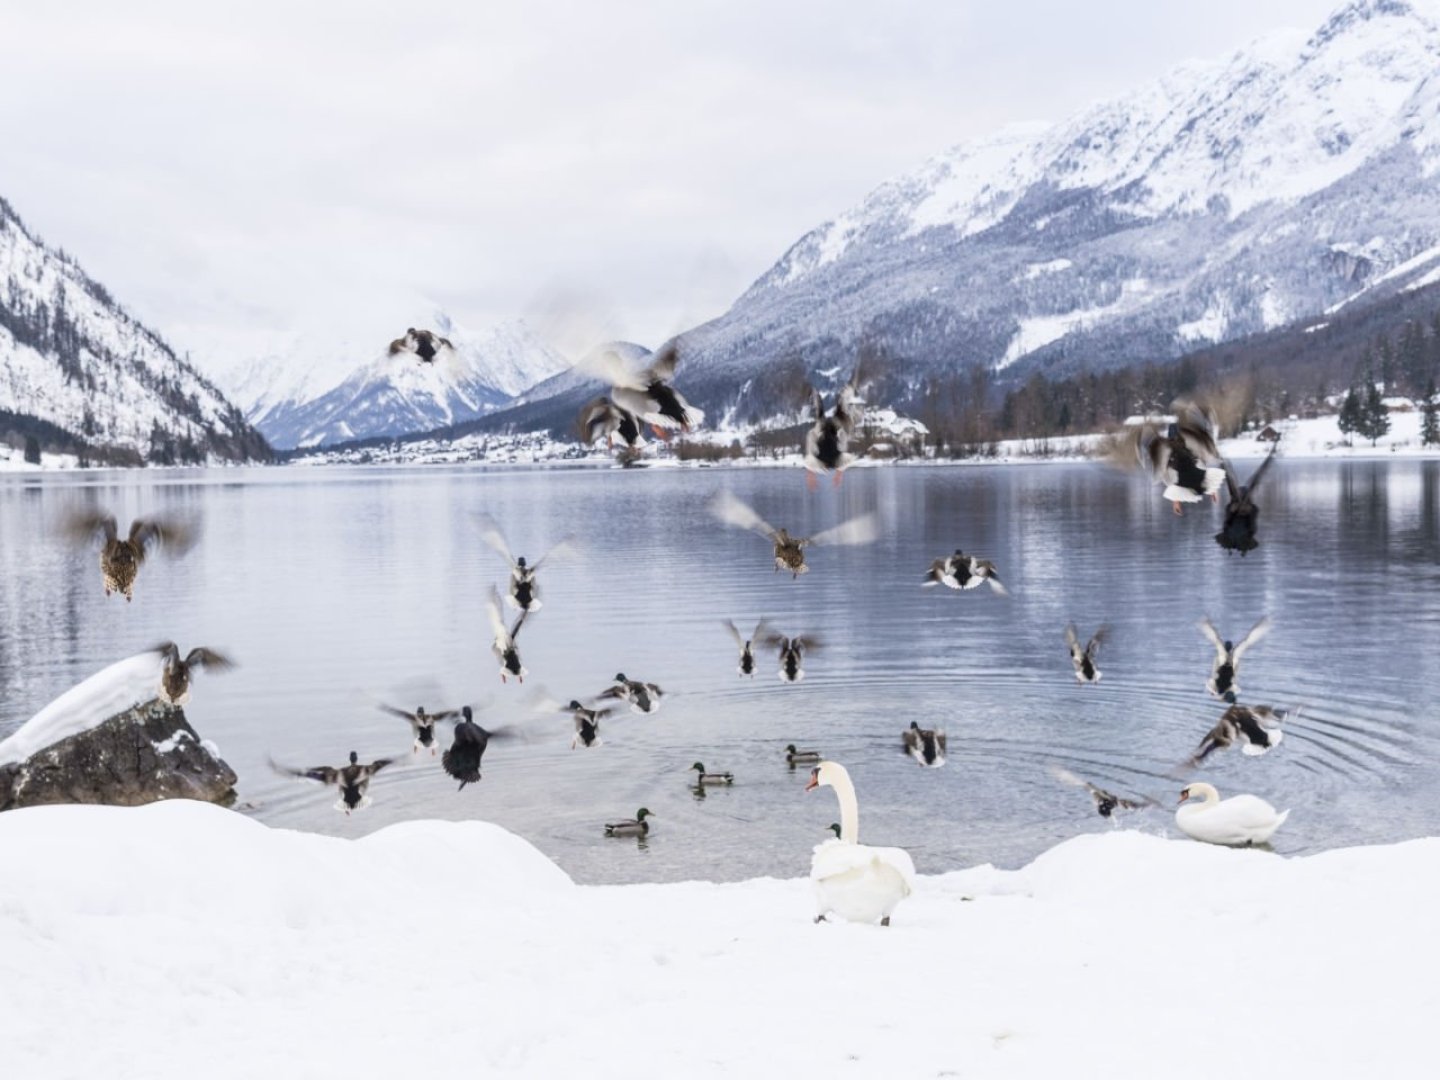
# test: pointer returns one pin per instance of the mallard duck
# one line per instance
(746, 646)
(795, 756)
(1226, 668)
(1084, 659)
(648, 394)
(1255, 727)
(643, 697)
(1241, 514)
(120, 560)
(858, 883)
(1178, 458)
(422, 724)
(425, 345)
(961, 571)
(639, 825)
(834, 827)
(524, 591)
(602, 418)
(587, 724)
(1238, 821)
(827, 443)
(1106, 804)
(175, 675)
(711, 778)
(353, 779)
(503, 645)
(925, 745)
(790, 550)
(462, 760)
(792, 654)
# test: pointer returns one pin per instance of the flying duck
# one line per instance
(925, 745)
(602, 418)
(462, 760)
(1255, 727)
(712, 777)
(790, 550)
(422, 724)
(643, 697)
(1084, 659)
(353, 779)
(1241, 513)
(523, 593)
(425, 345)
(175, 675)
(1105, 803)
(794, 756)
(827, 443)
(961, 571)
(636, 826)
(648, 394)
(746, 646)
(503, 645)
(792, 654)
(1178, 457)
(1226, 668)
(120, 560)
(587, 724)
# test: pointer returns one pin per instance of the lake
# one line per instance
(333, 588)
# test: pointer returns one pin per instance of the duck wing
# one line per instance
(161, 531)
(375, 766)
(992, 578)
(1253, 635)
(1213, 636)
(1097, 639)
(321, 774)
(495, 539)
(662, 366)
(561, 551)
(732, 511)
(734, 633)
(858, 530)
(1260, 472)
(81, 526)
(1198, 424)
(936, 574)
(1077, 654)
(497, 622)
(611, 366)
(203, 657)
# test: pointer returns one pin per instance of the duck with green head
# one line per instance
(639, 825)
(711, 778)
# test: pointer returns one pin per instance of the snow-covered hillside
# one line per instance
(1225, 199)
(190, 939)
(312, 395)
(71, 356)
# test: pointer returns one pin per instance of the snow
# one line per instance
(86, 705)
(1035, 333)
(445, 949)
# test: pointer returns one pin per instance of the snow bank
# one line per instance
(186, 940)
(105, 694)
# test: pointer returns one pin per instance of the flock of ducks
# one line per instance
(852, 881)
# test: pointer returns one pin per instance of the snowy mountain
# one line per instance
(312, 397)
(73, 359)
(1294, 176)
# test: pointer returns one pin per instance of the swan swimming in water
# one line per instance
(1238, 821)
(856, 882)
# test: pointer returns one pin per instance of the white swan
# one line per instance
(858, 883)
(1238, 821)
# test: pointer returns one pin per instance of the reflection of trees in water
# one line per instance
(1389, 512)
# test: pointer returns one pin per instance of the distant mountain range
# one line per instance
(79, 374)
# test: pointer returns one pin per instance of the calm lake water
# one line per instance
(335, 587)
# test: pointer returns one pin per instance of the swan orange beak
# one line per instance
(814, 780)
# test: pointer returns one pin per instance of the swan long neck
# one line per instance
(849, 808)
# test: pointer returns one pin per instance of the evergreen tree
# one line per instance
(1430, 426)
(1374, 417)
(1413, 361)
(32, 450)
(1350, 415)
(1387, 363)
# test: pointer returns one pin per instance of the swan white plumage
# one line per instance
(858, 883)
(1238, 821)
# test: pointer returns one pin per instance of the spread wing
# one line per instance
(1076, 653)
(1254, 634)
(734, 634)
(492, 609)
(378, 764)
(561, 551)
(911, 738)
(321, 774)
(858, 530)
(208, 658)
(1097, 639)
(162, 531)
(610, 366)
(81, 526)
(495, 539)
(662, 367)
(1260, 472)
(400, 345)
(1232, 485)
(732, 511)
(401, 713)
(1213, 636)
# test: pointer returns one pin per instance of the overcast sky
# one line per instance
(238, 173)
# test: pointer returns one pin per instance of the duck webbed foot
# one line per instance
(838, 478)
(1178, 510)
(812, 481)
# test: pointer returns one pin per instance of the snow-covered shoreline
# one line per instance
(187, 940)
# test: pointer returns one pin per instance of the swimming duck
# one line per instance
(1238, 821)
(353, 779)
(925, 745)
(961, 571)
(834, 827)
(712, 777)
(790, 550)
(175, 675)
(827, 443)
(1178, 457)
(1226, 669)
(643, 697)
(856, 882)
(1241, 514)
(648, 394)
(636, 826)
(794, 756)
(1255, 727)
(503, 645)
(462, 760)
(587, 724)
(746, 646)
(422, 724)
(792, 654)
(1084, 659)
(523, 593)
(120, 560)
(602, 417)
(1105, 803)
(425, 345)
